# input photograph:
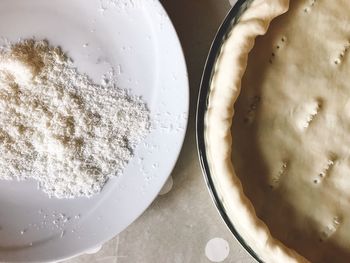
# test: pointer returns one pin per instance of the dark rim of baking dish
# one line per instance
(202, 104)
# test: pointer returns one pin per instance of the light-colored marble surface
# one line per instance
(177, 227)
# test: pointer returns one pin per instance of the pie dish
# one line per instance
(273, 126)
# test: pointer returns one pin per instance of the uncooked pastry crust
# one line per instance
(294, 109)
(224, 91)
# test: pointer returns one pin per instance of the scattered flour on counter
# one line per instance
(58, 127)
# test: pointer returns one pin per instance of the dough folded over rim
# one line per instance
(224, 91)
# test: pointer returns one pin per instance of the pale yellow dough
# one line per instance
(278, 129)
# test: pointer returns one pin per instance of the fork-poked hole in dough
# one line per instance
(309, 7)
(280, 43)
(330, 229)
(276, 179)
(327, 169)
(342, 54)
(251, 112)
(308, 113)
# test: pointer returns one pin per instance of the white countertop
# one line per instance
(177, 227)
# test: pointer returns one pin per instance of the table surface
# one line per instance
(183, 224)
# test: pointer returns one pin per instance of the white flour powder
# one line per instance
(58, 127)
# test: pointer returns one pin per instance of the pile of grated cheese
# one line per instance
(58, 127)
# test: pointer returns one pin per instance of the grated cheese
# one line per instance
(58, 127)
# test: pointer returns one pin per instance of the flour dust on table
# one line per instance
(60, 128)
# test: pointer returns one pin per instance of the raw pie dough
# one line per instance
(278, 129)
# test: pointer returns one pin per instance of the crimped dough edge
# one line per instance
(225, 87)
